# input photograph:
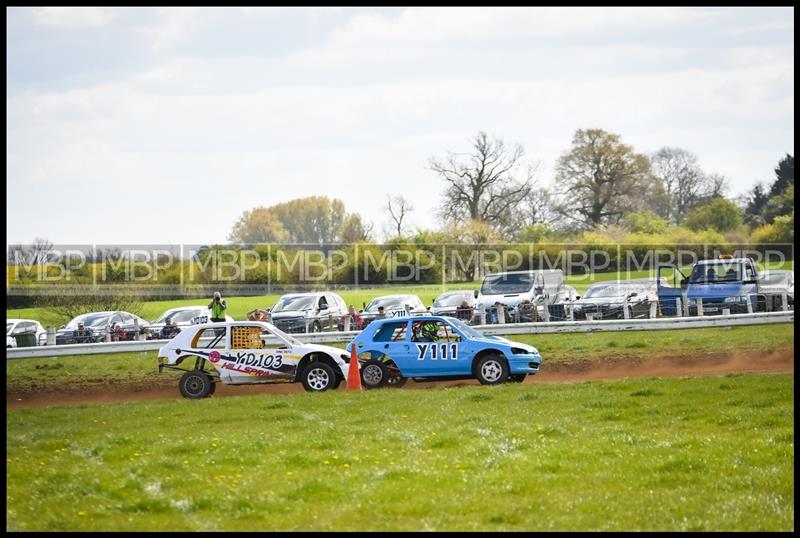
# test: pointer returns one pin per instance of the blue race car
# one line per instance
(437, 348)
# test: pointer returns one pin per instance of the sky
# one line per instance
(150, 125)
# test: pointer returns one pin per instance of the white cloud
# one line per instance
(73, 17)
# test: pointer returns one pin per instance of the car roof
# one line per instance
(456, 292)
(185, 308)
(530, 272)
(722, 260)
(426, 317)
(393, 296)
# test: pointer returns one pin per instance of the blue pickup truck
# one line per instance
(721, 283)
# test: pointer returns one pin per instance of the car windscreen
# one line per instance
(511, 283)
(90, 320)
(294, 302)
(179, 316)
(612, 290)
(712, 273)
(465, 329)
(388, 303)
(773, 279)
(451, 299)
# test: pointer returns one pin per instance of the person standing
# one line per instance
(218, 305)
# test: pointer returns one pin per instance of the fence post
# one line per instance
(108, 333)
(678, 311)
(482, 316)
(784, 302)
(546, 312)
(330, 322)
(653, 309)
(686, 311)
(51, 336)
(569, 305)
(346, 323)
(501, 313)
(726, 311)
(625, 313)
(589, 316)
(700, 306)
(749, 304)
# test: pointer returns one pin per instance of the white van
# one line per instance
(541, 288)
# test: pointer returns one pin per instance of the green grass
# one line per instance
(713, 453)
(239, 306)
(140, 367)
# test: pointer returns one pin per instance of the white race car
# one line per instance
(249, 352)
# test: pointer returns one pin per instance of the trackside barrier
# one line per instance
(684, 322)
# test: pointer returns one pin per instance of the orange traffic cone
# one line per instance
(354, 372)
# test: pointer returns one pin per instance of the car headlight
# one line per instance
(520, 351)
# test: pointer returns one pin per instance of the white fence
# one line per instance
(516, 328)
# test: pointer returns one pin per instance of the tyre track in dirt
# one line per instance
(666, 365)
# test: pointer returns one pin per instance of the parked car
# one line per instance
(182, 316)
(393, 306)
(246, 353)
(449, 302)
(428, 347)
(773, 284)
(723, 283)
(605, 300)
(538, 288)
(18, 329)
(307, 312)
(97, 325)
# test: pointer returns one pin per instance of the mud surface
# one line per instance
(689, 364)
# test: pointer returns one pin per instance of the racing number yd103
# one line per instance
(437, 351)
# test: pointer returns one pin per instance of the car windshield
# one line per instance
(773, 279)
(451, 299)
(90, 320)
(9, 326)
(465, 329)
(388, 303)
(294, 302)
(179, 316)
(611, 290)
(712, 273)
(508, 283)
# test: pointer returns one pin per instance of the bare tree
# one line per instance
(537, 207)
(600, 178)
(681, 184)
(398, 207)
(38, 252)
(486, 184)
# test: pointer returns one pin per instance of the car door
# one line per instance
(252, 359)
(447, 354)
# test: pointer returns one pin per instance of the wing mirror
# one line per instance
(476, 294)
(577, 297)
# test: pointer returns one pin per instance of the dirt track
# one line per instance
(696, 364)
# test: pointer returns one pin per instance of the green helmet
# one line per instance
(429, 330)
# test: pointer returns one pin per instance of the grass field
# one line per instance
(646, 454)
(26, 374)
(239, 306)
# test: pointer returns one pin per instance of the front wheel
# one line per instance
(374, 374)
(316, 327)
(492, 370)
(319, 377)
(196, 385)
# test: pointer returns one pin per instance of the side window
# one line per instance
(751, 274)
(210, 338)
(433, 331)
(246, 337)
(391, 332)
(322, 302)
(116, 318)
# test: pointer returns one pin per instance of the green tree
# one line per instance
(719, 214)
(258, 225)
(645, 222)
(600, 178)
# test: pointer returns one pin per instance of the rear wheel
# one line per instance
(319, 377)
(196, 385)
(491, 370)
(374, 374)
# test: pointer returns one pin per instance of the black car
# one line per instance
(605, 300)
(97, 325)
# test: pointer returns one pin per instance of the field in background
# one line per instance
(140, 367)
(711, 453)
(239, 306)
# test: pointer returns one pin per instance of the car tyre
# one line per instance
(397, 381)
(196, 385)
(316, 327)
(374, 374)
(319, 377)
(517, 378)
(492, 370)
